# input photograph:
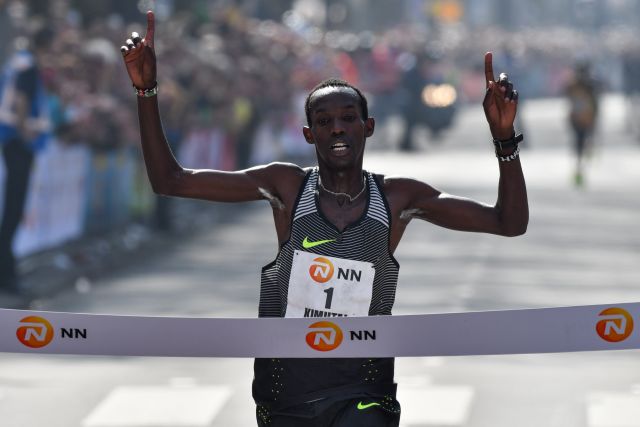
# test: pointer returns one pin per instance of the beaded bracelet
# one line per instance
(510, 157)
(146, 93)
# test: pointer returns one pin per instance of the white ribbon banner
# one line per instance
(546, 330)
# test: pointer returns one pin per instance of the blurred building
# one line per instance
(375, 15)
(583, 14)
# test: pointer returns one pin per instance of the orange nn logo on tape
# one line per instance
(615, 324)
(324, 336)
(34, 331)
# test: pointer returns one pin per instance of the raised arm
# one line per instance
(500, 107)
(166, 175)
(510, 214)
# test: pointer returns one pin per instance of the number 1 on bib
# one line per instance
(329, 292)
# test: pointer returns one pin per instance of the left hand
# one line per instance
(140, 58)
(500, 102)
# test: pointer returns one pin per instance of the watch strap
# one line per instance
(506, 144)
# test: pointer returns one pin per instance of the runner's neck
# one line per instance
(349, 186)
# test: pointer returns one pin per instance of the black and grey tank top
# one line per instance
(366, 240)
(323, 272)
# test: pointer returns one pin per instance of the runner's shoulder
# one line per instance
(395, 183)
(401, 187)
(284, 170)
(282, 176)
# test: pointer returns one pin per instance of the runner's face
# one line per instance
(338, 129)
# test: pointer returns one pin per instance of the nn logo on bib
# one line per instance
(35, 332)
(615, 324)
(324, 336)
(321, 270)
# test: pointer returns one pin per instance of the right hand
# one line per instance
(140, 58)
(500, 102)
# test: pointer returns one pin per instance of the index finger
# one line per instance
(488, 68)
(151, 27)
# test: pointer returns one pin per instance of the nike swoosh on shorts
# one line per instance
(362, 406)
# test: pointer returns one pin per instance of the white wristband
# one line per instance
(510, 157)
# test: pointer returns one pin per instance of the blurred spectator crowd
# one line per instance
(228, 77)
(232, 86)
(219, 67)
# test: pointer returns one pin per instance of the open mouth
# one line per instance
(339, 146)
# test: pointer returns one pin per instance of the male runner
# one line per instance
(329, 218)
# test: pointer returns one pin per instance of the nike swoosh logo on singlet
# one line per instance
(308, 245)
(362, 406)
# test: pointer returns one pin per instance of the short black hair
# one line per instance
(364, 108)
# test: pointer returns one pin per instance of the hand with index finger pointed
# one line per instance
(500, 102)
(139, 56)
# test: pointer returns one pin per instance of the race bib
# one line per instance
(324, 286)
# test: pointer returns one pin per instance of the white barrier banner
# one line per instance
(546, 330)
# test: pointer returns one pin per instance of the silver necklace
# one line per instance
(348, 196)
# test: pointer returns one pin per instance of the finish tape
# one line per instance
(546, 330)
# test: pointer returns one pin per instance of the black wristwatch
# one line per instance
(507, 143)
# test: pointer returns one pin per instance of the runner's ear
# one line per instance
(308, 136)
(369, 126)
